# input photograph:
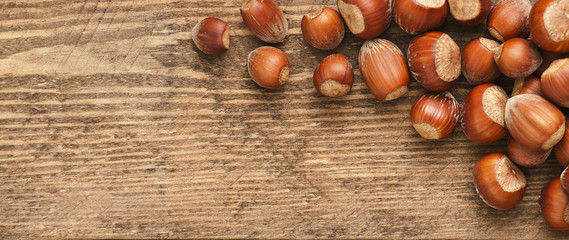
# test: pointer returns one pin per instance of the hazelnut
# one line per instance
(534, 122)
(498, 181)
(435, 116)
(517, 58)
(383, 68)
(323, 28)
(265, 19)
(434, 60)
(269, 67)
(211, 35)
(524, 156)
(554, 82)
(478, 65)
(529, 85)
(366, 19)
(334, 76)
(470, 12)
(483, 113)
(509, 19)
(549, 25)
(554, 203)
(561, 150)
(416, 16)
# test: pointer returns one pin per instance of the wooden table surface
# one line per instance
(112, 124)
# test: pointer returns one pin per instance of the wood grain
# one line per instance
(114, 125)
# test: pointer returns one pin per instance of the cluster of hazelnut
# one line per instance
(540, 65)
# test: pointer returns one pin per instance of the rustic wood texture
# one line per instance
(113, 124)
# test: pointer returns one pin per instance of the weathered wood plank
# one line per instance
(112, 124)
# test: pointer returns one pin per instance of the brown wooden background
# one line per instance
(112, 124)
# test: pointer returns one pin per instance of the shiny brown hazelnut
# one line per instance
(334, 76)
(517, 58)
(534, 122)
(416, 16)
(555, 82)
(509, 19)
(384, 70)
(265, 19)
(470, 12)
(323, 28)
(435, 116)
(211, 35)
(366, 19)
(498, 181)
(530, 85)
(525, 156)
(561, 150)
(549, 25)
(483, 113)
(478, 65)
(434, 60)
(269, 67)
(554, 203)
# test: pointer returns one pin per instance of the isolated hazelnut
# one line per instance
(555, 82)
(554, 203)
(434, 60)
(525, 156)
(265, 19)
(470, 12)
(334, 76)
(517, 58)
(561, 150)
(498, 181)
(211, 35)
(483, 113)
(416, 16)
(530, 85)
(384, 70)
(323, 28)
(534, 122)
(366, 19)
(478, 65)
(509, 19)
(549, 25)
(269, 67)
(435, 116)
